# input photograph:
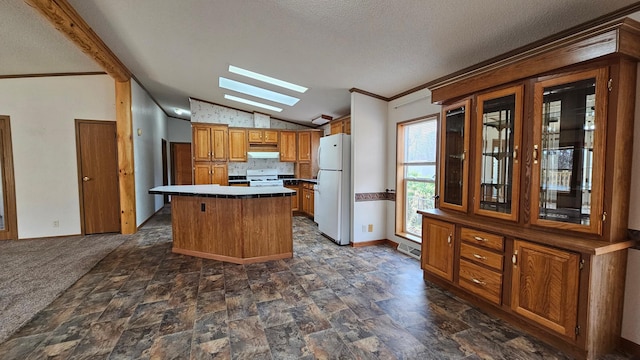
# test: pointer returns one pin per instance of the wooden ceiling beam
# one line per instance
(65, 18)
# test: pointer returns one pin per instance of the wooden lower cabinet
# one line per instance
(564, 290)
(210, 173)
(295, 201)
(545, 286)
(437, 247)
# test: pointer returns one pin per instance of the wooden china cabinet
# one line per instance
(534, 185)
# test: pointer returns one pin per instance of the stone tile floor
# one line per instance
(327, 302)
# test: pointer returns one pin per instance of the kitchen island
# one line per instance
(241, 225)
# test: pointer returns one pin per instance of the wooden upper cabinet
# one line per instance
(210, 142)
(569, 133)
(497, 153)
(342, 125)
(438, 247)
(201, 143)
(453, 157)
(336, 127)
(288, 146)
(259, 136)
(545, 286)
(304, 146)
(237, 145)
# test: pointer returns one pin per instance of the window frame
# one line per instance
(402, 180)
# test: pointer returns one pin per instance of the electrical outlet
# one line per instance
(56, 223)
(370, 229)
(364, 228)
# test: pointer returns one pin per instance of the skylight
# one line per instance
(257, 91)
(267, 79)
(251, 102)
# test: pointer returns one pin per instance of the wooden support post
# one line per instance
(126, 175)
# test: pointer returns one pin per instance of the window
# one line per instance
(416, 174)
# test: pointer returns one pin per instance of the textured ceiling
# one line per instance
(178, 49)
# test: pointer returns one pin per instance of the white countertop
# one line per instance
(222, 191)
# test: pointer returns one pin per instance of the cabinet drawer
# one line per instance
(482, 238)
(480, 281)
(481, 256)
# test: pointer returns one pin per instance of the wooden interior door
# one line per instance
(437, 247)
(98, 172)
(8, 217)
(181, 169)
(545, 286)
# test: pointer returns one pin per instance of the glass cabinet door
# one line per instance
(497, 168)
(455, 146)
(568, 151)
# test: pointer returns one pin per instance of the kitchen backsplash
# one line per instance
(240, 168)
(204, 112)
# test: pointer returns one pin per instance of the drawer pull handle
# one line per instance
(478, 282)
(449, 239)
(514, 258)
(479, 257)
(478, 238)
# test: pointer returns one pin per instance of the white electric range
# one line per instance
(264, 177)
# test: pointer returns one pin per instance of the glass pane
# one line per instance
(421, 141)
(454, 155)
(424, 172)
(496, 168)
(568, 123)
(419, 196)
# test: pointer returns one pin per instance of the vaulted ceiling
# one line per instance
(179, 49)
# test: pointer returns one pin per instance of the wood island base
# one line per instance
(236, 230)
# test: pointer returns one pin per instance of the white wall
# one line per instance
(147, 151)
(408, 107)
(178, 130)
(43, 112)
(369, 165)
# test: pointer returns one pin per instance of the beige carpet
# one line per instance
(34, 272)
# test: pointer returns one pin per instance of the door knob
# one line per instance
(86, 178)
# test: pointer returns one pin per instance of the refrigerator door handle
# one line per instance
(318, 179)
(319, 158)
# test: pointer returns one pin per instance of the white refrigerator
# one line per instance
(334, 188)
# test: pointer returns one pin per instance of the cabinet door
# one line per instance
(295, 205)
(304, 171)
(201, 174)
(569, 136)
(437, 247)
(288, 146)
(453, 162)
(219, 174)
(270, 136)
(237, 145)
(336, 127)
(219, 144)
(201, 143)
(255, 136)
(347, 126)
(497, 166)
(545, 286)
(304, 146)
(311, 202)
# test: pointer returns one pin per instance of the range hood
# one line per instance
(263, 154)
